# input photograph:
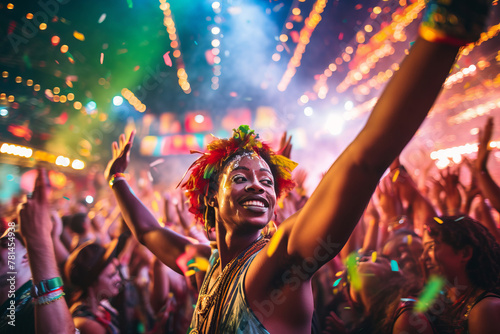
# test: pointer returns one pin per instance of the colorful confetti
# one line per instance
(352, 271)
(337, 282)
(101, 18)
(438, 220)
(374, 257)
(78, 35)
(67, 198)
(429, 293)
(166, 58)
(395, 176)
(394, 265)
(409, 239)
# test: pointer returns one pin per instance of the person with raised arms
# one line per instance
(256, 286)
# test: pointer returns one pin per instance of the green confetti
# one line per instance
(130, 4)
(429, 294)
(352, 271)
(66, 198)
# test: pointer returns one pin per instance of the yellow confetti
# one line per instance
(273, 243)
(154, 206)
(190, 273)
(157, 196)
(374, 257)
(438, 220)
(201, 263)
(78, 35)
(409, 239)
(395, 176)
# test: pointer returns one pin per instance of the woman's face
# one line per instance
(373, 276)
(109, 281)
(439, 258)
(246, 193)
(406, 251)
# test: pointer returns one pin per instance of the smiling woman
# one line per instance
(233, 186)
(465, 253)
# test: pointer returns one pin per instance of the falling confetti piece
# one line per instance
(337, 282)
(67, 198)
(409, 239)
(438, 220)
(130, 4)
(190, 273)
(198, 264)
(429, 294)
(395, 176)
(195, 43)
(102, 18)
(156, 162)
(166, 58)
(78, 35)
(460, 218)
(374, 257)
(394, 265)
(154, 206)
(408, 300)
(275, 240)
(102, 58)
(352, 270)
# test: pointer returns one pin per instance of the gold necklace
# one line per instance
(206, 299)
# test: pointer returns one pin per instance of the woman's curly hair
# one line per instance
(483, 269)
(205, 171)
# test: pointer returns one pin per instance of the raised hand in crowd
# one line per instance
(51, 311)
(488, 186)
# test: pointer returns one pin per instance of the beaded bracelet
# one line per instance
(116, 177)
(50, 297)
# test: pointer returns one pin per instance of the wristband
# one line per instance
(116, 177)
(46, 286)
(454, 22)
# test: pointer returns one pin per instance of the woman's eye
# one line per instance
(239, 179)
(267, 182)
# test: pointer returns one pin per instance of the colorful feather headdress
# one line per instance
(212, 161)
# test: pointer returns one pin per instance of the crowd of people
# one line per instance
(244, 247)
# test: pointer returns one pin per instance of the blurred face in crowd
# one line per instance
(439, 258)
(373, 276)
(406, 251)
(109, 281)
(246, 192)
(14, 258)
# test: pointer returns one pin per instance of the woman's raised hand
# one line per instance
(121, 155)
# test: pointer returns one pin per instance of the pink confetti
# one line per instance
(166, 58)
(102, 58)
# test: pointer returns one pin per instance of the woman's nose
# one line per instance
(255, 187)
